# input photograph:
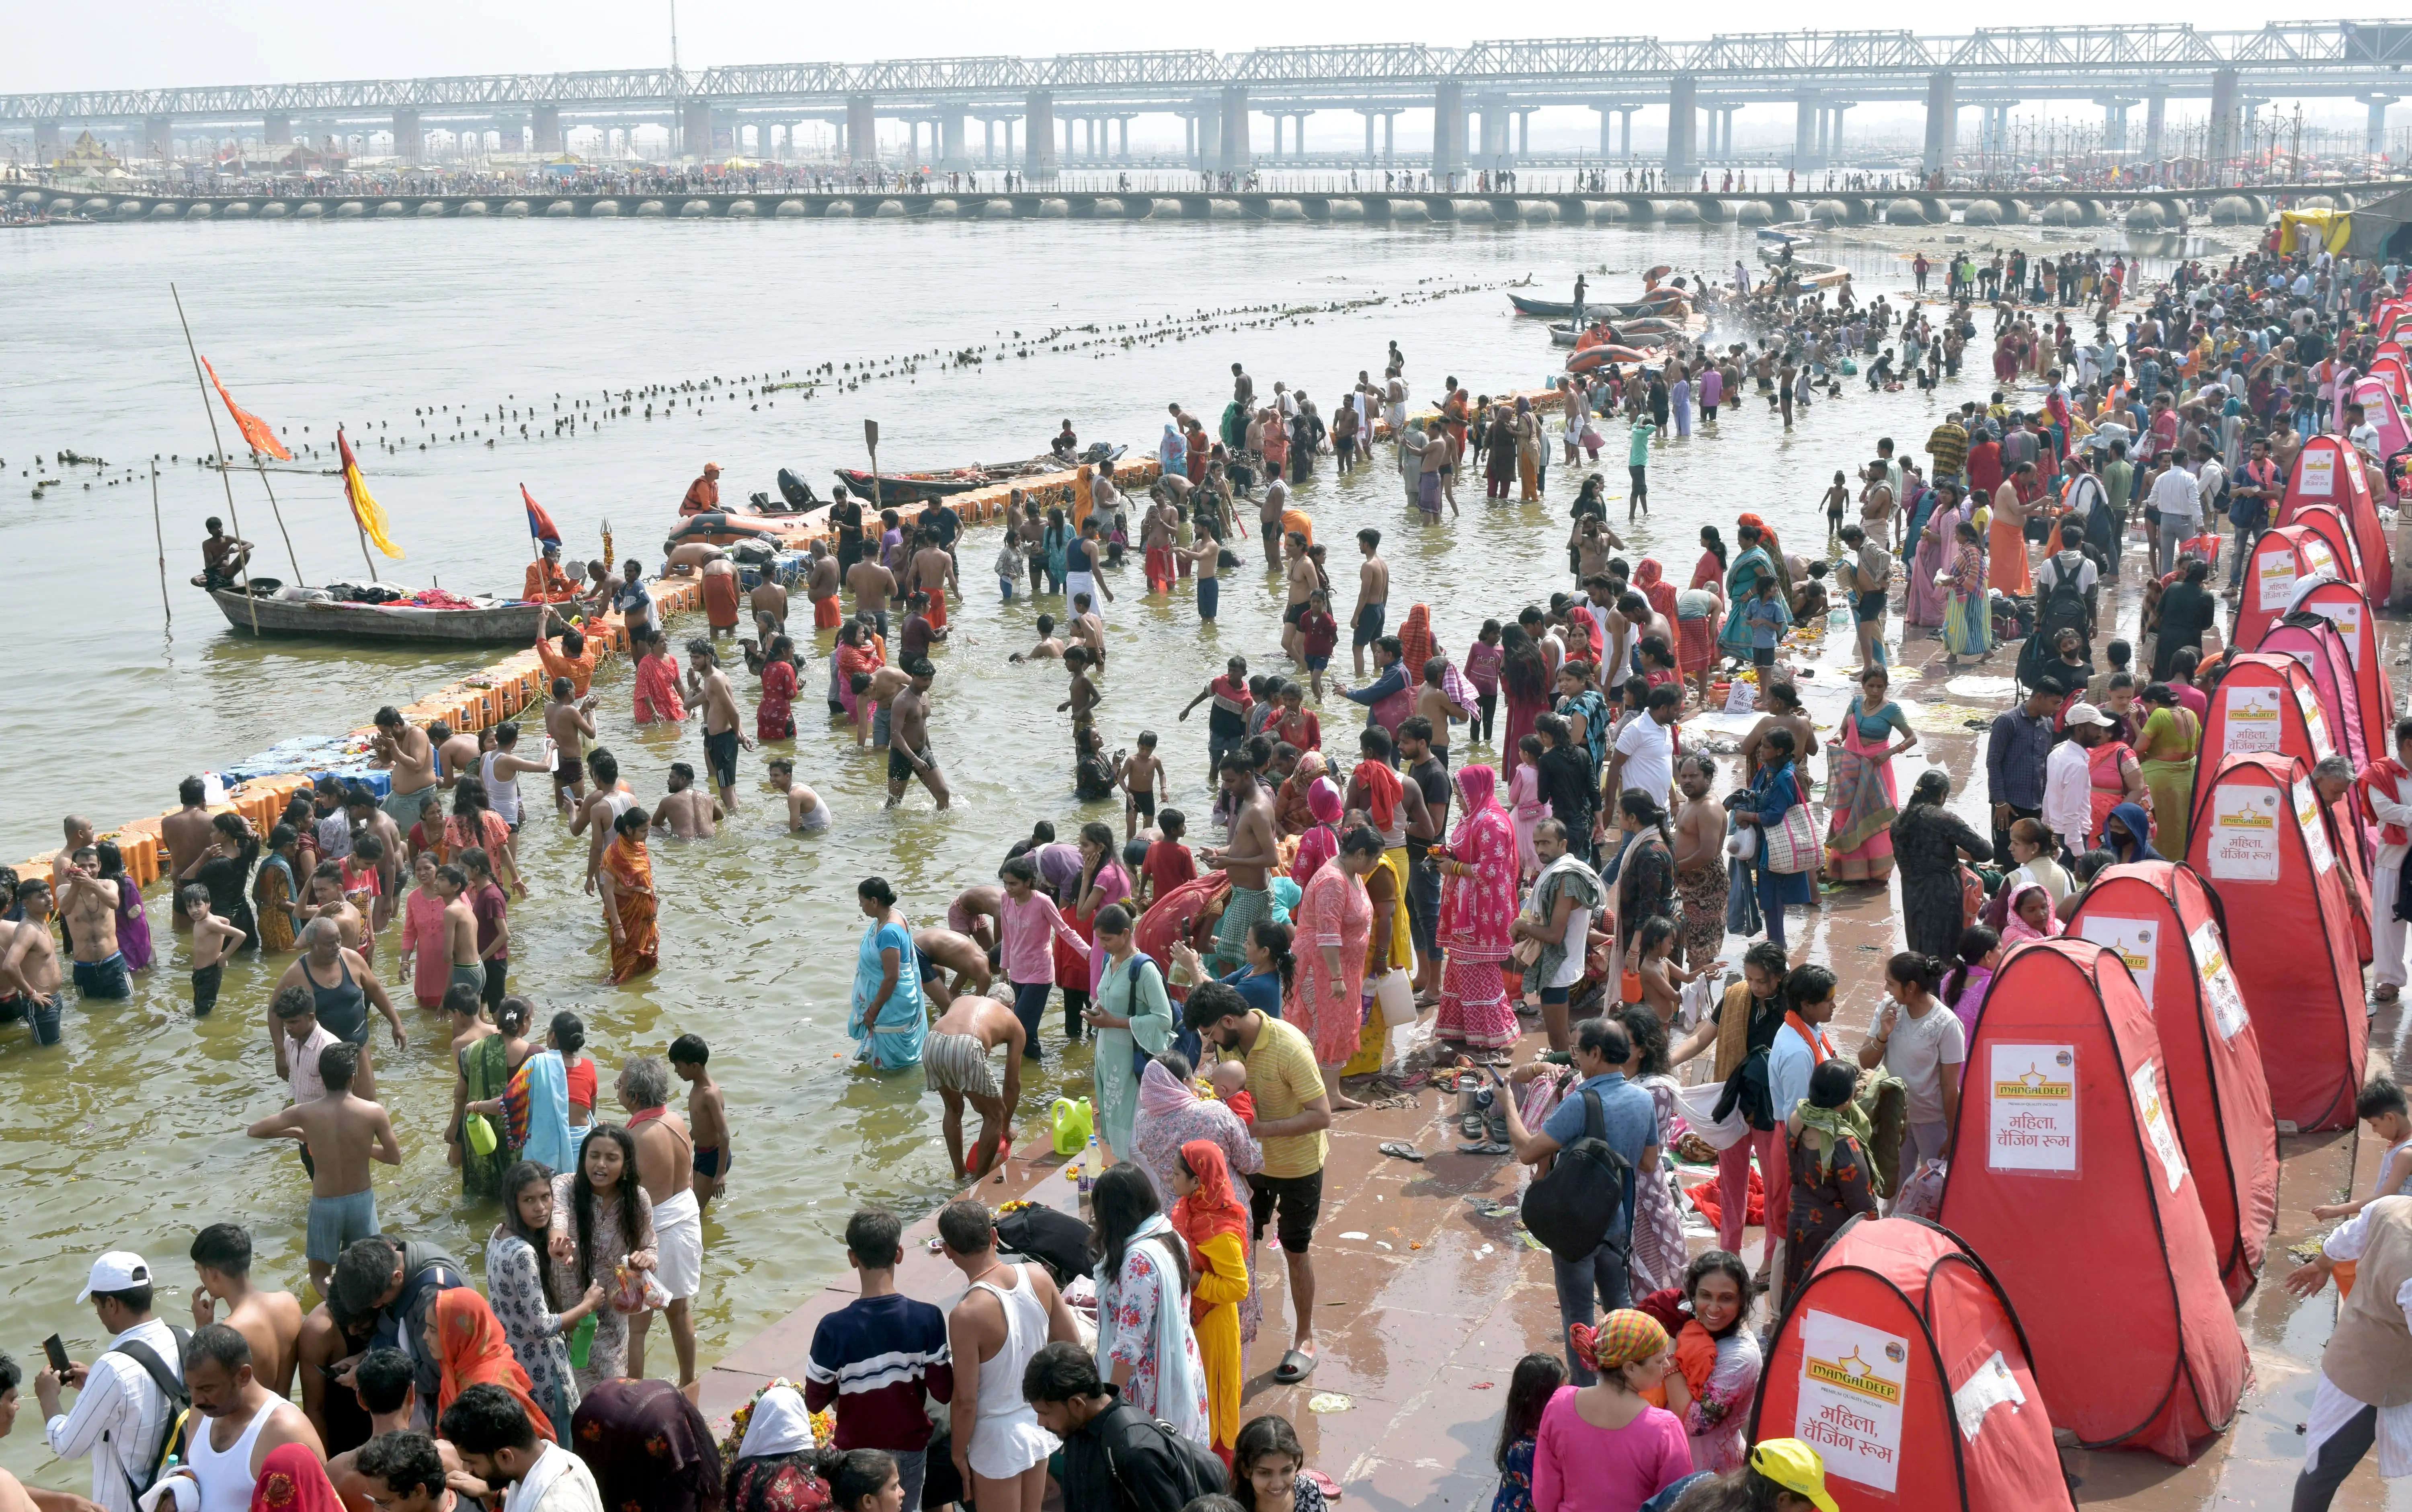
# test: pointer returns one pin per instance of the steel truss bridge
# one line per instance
(1822, 73)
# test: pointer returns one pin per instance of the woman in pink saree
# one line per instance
(1478, 904)
(1321, 840)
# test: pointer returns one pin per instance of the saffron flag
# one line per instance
(366, 511)
(540, 524)
(255, 431)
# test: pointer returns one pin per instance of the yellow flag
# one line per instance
(365, 509)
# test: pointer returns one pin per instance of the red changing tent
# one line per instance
(2064, 1153)
(2314, 640)
(2329, 470)
(2269, 702)
(2160, 919)
(2258, 840)
(2281, 558)
(1901, 1362)
(2329, 524)
(2348, 608)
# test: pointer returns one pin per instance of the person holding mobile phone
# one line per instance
(10, 1488)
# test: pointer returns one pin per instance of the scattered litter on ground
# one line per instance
(1329, 1401)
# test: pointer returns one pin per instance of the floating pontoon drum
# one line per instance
(2258, 840)
(2159, 918)
(1901, 1361)
(2065, 1153)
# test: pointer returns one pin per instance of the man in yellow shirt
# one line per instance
(1292, 1112)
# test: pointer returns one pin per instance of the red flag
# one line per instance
(255, 430)
(540, 524)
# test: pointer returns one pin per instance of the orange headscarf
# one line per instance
(1415, 643)
(472, 1348)
(1651, 580)
(1213, 1208)
(292, 1480)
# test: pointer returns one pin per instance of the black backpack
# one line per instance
(1570, 1209)
(1202, 1472)
(144, 1465)
(2063, 607)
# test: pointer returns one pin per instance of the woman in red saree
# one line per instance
(658, 682)
(773, 716)
(628, 903)
(1478, 904)
(469, 1345)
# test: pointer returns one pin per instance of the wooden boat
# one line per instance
(504, 624)
(1650, 304)
(929, 486)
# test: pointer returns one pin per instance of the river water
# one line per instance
(130, 1134)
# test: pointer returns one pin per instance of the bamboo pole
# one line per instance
(233, 513)
(261, 468)
(160, 535)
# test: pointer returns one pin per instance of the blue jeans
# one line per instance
(1769, 907)
(1030, 1006)
(1601, 1271)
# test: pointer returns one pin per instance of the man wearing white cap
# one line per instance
(124, 1406)
(2068, 778)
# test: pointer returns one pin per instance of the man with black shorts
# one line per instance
(1871, 577)
(1292, 1113)
(707, 688)
(909, 737)
(1304, 579)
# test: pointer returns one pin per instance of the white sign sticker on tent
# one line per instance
(2252, 722)
(2032, 1124)
(1852, 1380)
(2316, 474)
(2134, 940)
(2218, 982)
(2154, 1115)
(2243, 845)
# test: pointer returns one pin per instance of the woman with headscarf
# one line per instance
(649, 1446)
(2126, 833)
(1926, 601)
(2031, 917)
(1320, 841)
(1751, 565)
(1650, 581)
(291, 1479)
(1145, 1345)
(1174, 1112)
(1928, 841)
(1173, 452)
(1335, 920)
(471, 1349)
(1478, 909)
(1416, 647)
(1832, 1177)
(771, 1467)
(1600, 1442)
(1214, 1221)
(1293, 804)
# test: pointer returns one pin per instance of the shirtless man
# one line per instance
(233, 1411)
(946, 950)
(596, 810)
(186, 832)
(1373, 599)
(89, 906)
(1048, 649)
(342, 1133)
(976, 912)
(932, 571)
(1155, 540)
(873, 703)
(872, 586)
(768, 603)
(29, 962)
(821, 585)
(1252, 851)
(707, 688)
(78, 835)
(1304, 581)
(685, 811)
(1089, 629)
(1593, 542)
(569, 721)
(976, 1334)
(707, 1114)
(269, 1320)
(686, 559)
(1080, 700)
(326, 901)
(1435, 704)
(1268, 519)
(1699, 853)
(223, 556)
(460, 930)
(908, 751)
(403, 749)
(368, 818)
(805, 810)
(955, 1064)
(456, 751)
(666, 1166)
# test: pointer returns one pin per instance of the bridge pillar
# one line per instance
(862, 132)
(2156, 112)
(1038, 135)
(1606, 137)
(408, 141)
(1494, 152)
(276, 133)
(2223, 123)
(1523, 133)
(1683, 128)
(548, 129)
(2114, 122)
(2375, 139)
(1942, 122)
(693, 129)
(1390, 137)
(1369, 116)
(1448, 131)
(156, 140)
(952, 156)
(1835, 133)
(1806, 116)
(1232, 152)
(1624, 131)
(46, 141)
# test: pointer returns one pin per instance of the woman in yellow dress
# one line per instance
(1215, 1222)
(2165, 748)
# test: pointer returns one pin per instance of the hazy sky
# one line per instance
(150, 43)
